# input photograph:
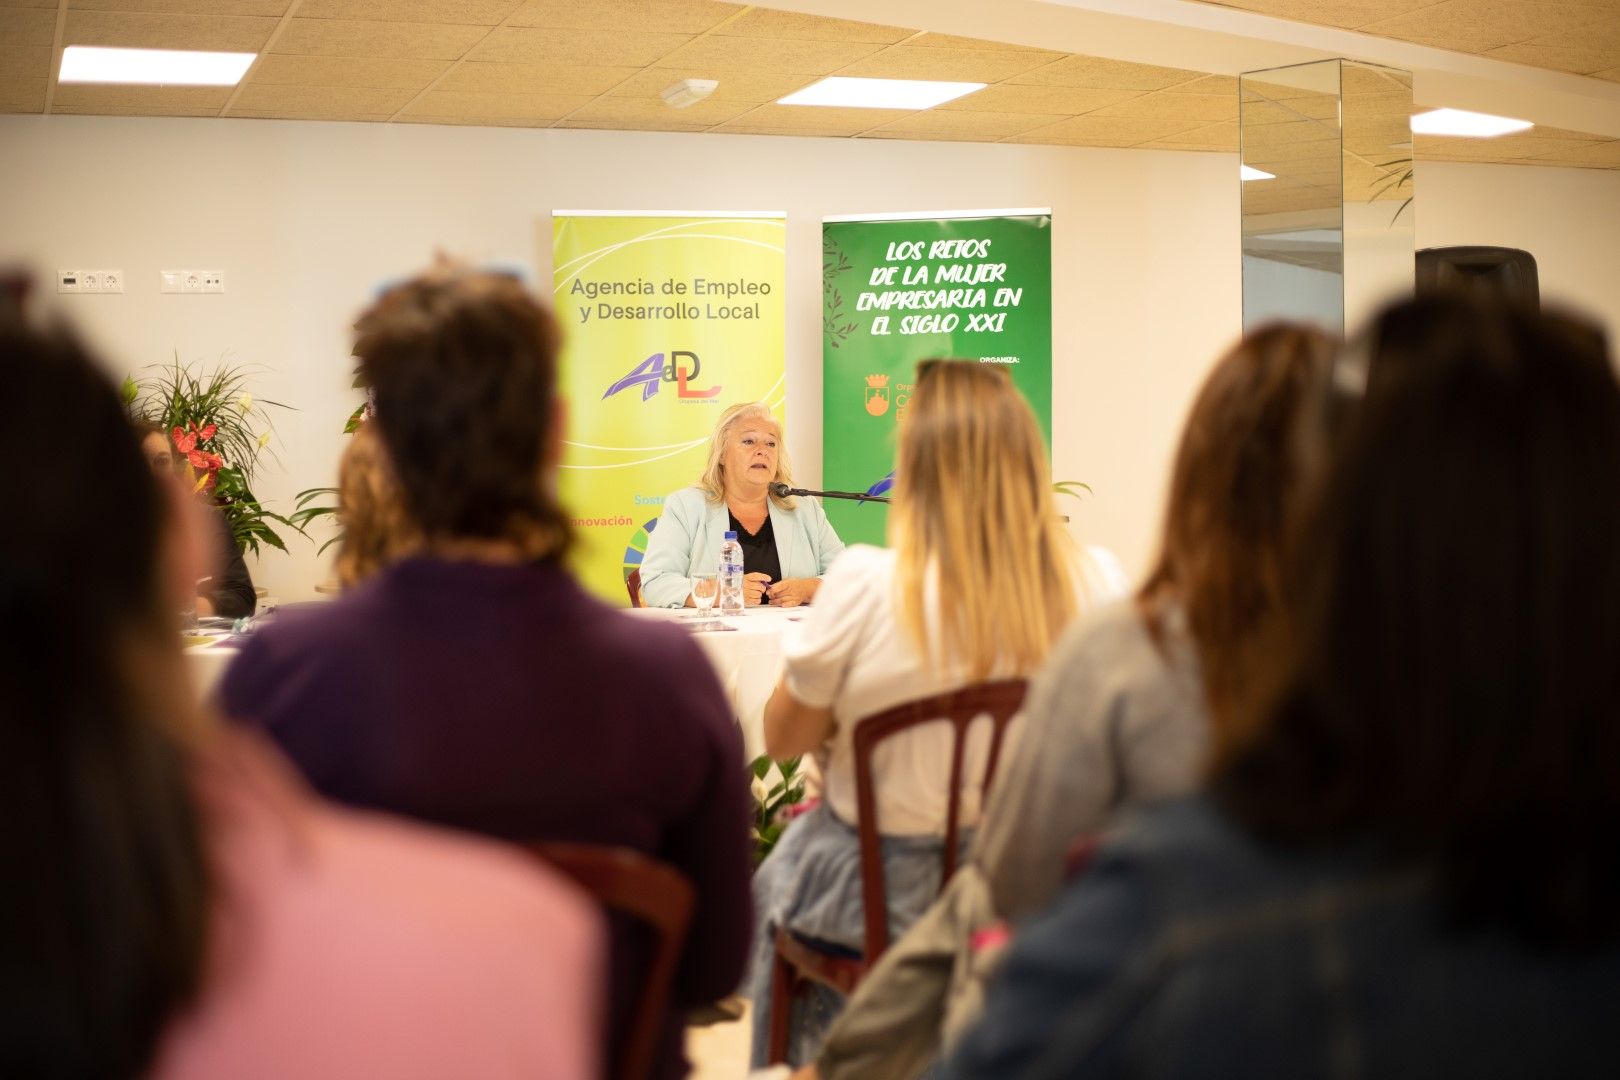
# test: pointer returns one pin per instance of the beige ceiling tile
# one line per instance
(603, 48)
(330, 112)
(51, 4)
(810, 120)
(1348, 14)
(306, 100)
(471, 121)
(1222, 137)
(1613, 74)
(655, 112)
(1204, 108)
(965, 125)
(1575, 59)
(1053, 100)
(275, 69)
(1106, 74)
(951, 41)
(469, 12)
(25, 62)
(1373, 80)
(645, 16)
(28, 28)
(222, 33)
(1208, 84)
(1604, 155)
(769, 23)
(533, 107)
(956, 65)
(133, 110)
(21, 95)
(1103, 131)
(194, 98)
(751, 87)
(268, 8)
(1479, 25)
(564, 79)
(398, 41)
(719, 55)
(627, 125)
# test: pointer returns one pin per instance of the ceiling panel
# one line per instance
(934, 124)
(648, 16)
(139, 30)
(808, 120)
(308, 100)
(269, 8)
(530, 107)
(1056, 100)
(25, 62)
(1107, 74)
(382, 72)
(1204, 108)
(604, 48)
(654, 113)
(955, 65)
(753, 87)
(721, 55)
(22, 95)
(768, 23)
(470, 12)
(564, 79)
(394, 40)
(1104, 131)
(1221, 138)
(190, 98)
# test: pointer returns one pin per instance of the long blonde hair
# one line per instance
(713, 480)
(377, 530)
(973, 508)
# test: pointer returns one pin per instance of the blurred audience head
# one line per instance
(1446, 684)
(155, 448)
(1254, 427)
(973, 508)
(462, 365)
(376, 529)
(105, 925)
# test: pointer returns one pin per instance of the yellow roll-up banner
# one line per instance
(667, 320)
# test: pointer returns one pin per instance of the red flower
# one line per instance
(183, 442)
(206, 433)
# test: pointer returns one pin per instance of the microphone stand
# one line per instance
(781, 491)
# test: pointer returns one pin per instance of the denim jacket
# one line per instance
(1190, 949)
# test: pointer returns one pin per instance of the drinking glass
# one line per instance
(705, 588)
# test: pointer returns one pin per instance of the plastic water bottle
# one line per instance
(731, 576)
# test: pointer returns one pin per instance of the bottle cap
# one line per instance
(731, 535)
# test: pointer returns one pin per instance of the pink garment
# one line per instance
(351, 945)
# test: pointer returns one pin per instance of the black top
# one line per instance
(231, 589)
(759, 550)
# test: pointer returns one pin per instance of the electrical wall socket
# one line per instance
(213, 281)
(89, 281)
(191, 281)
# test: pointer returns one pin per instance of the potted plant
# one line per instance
(218, 430)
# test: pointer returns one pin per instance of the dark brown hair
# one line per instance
(463, 366)
(1234, 483)
(105, 911)
(1448, 682)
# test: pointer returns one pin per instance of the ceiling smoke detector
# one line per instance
(688, 92)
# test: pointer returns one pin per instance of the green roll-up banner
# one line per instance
(895, 290)
(668, 319)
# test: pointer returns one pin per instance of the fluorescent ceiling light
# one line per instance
(1249, 172)
(1470, 124)
(880, 93)
(160, 67)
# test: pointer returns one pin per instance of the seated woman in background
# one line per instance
(228, 590)
(1408, 864)
(1122, 711)
(787, 543)
(377, 530)
(925, 616)
(182, 907)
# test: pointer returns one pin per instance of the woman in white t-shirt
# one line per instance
(978, 582)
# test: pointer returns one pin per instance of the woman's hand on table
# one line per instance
(791, 592)
(754, 586)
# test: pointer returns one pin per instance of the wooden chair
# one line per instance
(633, 583)
(629, 883)
(798, 962)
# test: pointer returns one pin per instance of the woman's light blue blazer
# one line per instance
(690, 530)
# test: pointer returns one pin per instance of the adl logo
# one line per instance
(653, 371)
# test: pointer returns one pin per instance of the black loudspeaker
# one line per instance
(1496, 273)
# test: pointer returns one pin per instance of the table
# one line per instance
(748, 660)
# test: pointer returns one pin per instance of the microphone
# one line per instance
(782, 491)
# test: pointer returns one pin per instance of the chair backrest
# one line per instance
(633, 583)
(630, 883)
(998, 700)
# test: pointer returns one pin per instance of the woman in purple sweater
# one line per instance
(476, 685)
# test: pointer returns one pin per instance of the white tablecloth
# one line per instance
(748, 661)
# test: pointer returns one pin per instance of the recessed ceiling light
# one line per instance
(880, 93)
(1469, 124)
(160, 67)
(1249, 172)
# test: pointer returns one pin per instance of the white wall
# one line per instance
(307, 218)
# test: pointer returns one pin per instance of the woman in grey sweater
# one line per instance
(1121, 713)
